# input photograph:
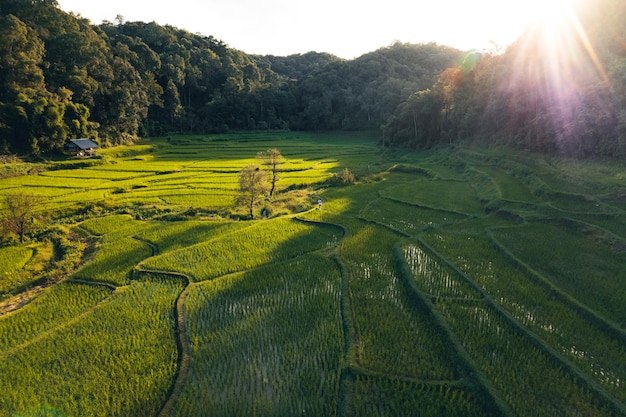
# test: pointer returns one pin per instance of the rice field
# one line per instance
(116, 359)
(575, 258)
(20, 265)
(443, 283)
(266, 342)
(457, 197)
(201, 174)
(13, 259)
(263, 243)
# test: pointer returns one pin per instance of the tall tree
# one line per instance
(252, 188)
(272, 159)
(171, 103)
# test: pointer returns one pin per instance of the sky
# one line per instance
(346, 28)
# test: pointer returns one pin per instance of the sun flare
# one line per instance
(563, 36)
(554, 61)
(551, 12)
(556, 27)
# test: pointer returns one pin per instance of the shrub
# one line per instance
(345, 177)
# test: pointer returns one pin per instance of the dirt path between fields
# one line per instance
(20, 300)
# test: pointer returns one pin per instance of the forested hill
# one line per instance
(63, 77)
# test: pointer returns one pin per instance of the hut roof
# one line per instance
(83, 144)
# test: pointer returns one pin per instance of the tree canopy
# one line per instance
(124, 80)
(17, 215)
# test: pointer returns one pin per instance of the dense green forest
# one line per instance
(63, 77)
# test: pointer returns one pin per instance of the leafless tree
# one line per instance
(252, 187)
(272, 159)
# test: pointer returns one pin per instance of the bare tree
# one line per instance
(18, 213)
(272, 159)
(252, 187)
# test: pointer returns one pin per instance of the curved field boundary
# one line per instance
(350, 338)
(153, 248)
(574, 371)
(94, 283)
(182, 342)
(182, 339)
(56, 329)
(424, 301)
(182, 334)
(25, 293)
(346, 378)
(352, 369)
(407, 203)
(349, 371)
(586, 312)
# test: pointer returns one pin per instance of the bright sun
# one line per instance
(556, 40)
(551, 12)
(553, 62)
(563, 33)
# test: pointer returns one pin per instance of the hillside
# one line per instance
(135, 79)
(557, 91)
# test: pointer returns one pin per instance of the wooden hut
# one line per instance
(81, 147)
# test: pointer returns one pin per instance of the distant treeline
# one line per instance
(63, 77)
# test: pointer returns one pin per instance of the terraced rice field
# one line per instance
(447, 283)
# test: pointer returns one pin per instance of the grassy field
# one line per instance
(464, 282)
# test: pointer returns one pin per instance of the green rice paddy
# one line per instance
(462, 282)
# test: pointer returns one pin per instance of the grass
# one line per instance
(21, 265)
(171, 236)
(436, 279)
(247, 329)
(162, 172)
(406, 343)
(454, 196)
(509, 187)
(13, 259)
(573, 259)
(534, 305)
(118, 252)
(406, 218)
(262, 243)
(52, 309)
(114, 260)
(546, 389)
(118, 359)
(464, 282)
(372, 398)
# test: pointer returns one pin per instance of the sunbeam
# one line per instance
(558, 77)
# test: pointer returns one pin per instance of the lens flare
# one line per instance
(558, 78)
(551, 12)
